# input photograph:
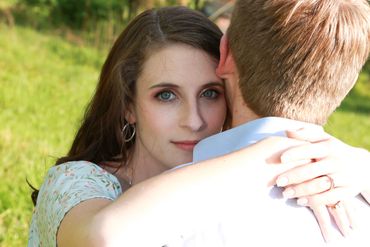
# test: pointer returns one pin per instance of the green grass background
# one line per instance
(45, 83)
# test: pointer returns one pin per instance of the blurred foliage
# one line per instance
(77, 14)
(84, 22)
(85, 14)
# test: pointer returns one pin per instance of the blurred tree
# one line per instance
(98, 21)
(79, 13)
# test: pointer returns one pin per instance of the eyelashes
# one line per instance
(210, 93)
(168, 95)
(165, 95)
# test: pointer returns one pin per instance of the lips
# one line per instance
(185, 145)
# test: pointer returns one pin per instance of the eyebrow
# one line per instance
(171, 85)
(164, 84)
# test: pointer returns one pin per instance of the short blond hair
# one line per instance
(299, 58)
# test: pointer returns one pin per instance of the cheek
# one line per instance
(215, 116)
(154, 120)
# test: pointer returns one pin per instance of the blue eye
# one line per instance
(165, 96)
(210, 93)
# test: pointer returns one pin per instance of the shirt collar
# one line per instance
(244, 135)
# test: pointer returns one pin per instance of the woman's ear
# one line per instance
(227, 64)
(130, 115)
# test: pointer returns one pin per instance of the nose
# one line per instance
(192, 117)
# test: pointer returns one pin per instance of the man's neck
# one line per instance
(240, 111)
(242, 115)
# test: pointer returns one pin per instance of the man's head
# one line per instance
(298, 58)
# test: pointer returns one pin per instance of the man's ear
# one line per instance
(227, 63)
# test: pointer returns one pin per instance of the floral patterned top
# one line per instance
(65, 186)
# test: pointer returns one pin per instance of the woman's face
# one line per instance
(179, 101)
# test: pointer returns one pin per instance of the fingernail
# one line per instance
(288, 193)
(328, 239)
(348, 232)
(302, 201)
(282, 181)
(325, 184)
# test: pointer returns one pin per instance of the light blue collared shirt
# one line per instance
(245, 135)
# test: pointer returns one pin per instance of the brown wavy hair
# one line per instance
(99, 138)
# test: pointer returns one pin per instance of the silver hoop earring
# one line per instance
(128, 130)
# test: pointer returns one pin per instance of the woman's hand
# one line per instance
(338, 172)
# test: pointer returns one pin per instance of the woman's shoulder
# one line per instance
(84, 173)
(73, 168)
(65, 186)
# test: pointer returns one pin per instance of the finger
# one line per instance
(319, 185)
(323, 219)
(351, 213)
(340, 217)
(330, 197)
(307, 152)
(314, 134)
(307, 172)
(311, 187)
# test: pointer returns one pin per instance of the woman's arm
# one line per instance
(172, 203)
